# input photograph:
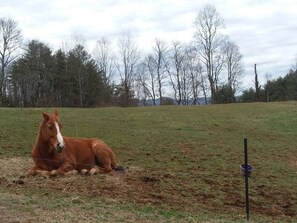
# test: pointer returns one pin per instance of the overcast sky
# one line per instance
(265, 30)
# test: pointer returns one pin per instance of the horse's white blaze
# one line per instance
(59, 135)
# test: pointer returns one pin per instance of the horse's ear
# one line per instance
(45, 116)
(56, 112)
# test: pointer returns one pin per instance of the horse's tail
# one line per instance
(113, 161)
(120, 169)
(114, 166)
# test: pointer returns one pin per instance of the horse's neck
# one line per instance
(41, 147)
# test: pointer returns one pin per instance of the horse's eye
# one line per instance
(50, 127)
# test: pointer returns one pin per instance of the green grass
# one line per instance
(194, 152)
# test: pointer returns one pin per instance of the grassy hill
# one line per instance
(182, 164)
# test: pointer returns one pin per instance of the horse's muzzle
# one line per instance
(59, 148)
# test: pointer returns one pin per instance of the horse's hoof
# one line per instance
(93, 171)
(53, 173)
(84, 172)
(74, 172)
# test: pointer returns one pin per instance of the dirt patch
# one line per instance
(14, 167)
(156, 187)
(148, 179)
(293, 162)
(185, 148)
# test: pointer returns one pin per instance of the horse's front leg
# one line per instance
(37, 170)
(65, 167)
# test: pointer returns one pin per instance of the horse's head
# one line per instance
(50, 131)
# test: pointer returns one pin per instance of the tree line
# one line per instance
(280, 89)
(32, 75)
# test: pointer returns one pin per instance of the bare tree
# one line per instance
(267, 77)
(207, 25)
(160, 63)
(10, 41)
(105, 59)
(175, 70)
(257, 86)
(204, 86)
(195, 70)
(128, 58)
(147, 78)
(154, 70)
(294, 65)
(233, 65)
(73, 41)
(186, 74)
(218, 63)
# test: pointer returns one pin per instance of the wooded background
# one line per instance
(209, 69)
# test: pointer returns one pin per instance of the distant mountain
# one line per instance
(171, 101)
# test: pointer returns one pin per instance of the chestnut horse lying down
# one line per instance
(54, 154)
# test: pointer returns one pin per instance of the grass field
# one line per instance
(182, 165)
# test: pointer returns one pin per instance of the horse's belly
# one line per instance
(85, 164)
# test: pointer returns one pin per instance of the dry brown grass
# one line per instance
(29, 199)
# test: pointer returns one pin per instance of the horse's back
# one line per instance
(87, 152)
